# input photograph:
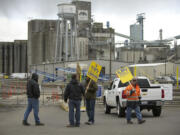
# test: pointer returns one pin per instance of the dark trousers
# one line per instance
(133, 105)
(90, 109)
(74, 104)
(32, 104)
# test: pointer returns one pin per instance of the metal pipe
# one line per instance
(71, 41)
(61, 39)
(110, 55)
(66, 40)
(122, 35)
(75, 38)
(160, 34)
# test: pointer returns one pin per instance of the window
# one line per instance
(122, 84)
(114, 86)
(143, 83)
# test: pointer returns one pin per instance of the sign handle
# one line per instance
(88, 86)
(131, 85)
(87, 90)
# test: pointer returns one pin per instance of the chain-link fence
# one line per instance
(14, 92)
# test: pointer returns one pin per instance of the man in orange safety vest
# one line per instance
(132, 92)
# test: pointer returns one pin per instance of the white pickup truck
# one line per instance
(152, 96)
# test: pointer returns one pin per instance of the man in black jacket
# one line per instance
(33, 94)
(74, 91)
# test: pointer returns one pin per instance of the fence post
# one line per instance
(177, 78)
(17, 91)
(42, 88)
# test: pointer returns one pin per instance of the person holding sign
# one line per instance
(132, 92)
(90, 95)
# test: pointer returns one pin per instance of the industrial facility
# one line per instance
(76, 37)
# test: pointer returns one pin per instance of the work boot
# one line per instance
(89, 123)
(25, 123)
(141, 121)
(69, 125)
(39, 124)
(129, 122)
(77, 125)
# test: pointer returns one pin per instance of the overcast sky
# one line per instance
(165, 14)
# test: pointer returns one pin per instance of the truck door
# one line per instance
(109, 94)
(114, 91)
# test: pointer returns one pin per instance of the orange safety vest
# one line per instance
(135, 95)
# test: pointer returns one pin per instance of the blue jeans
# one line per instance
(74, 104)
(32, 104)
(138, 113)
(90, 108)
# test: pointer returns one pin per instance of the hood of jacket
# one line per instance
(35, 77)
(73, 81)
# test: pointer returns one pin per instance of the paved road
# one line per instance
(56, 119)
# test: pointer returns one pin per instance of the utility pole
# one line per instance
(165, 67)
(41, 84)
(110, 56)
(110, 44)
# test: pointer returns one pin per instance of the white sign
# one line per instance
(82, 15)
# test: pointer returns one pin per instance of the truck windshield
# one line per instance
(143, 83)
(123, 84)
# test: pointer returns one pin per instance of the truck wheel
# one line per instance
(120, 110)
(156, 111)
(107, 109)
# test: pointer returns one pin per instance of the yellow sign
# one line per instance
(124, 74)
(94, 71)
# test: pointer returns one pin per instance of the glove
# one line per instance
(139, 97)
(65, 100)
(132, 91)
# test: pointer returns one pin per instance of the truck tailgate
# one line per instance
(150, 94)
(168, 88)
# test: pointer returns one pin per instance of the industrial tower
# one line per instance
(72, 31)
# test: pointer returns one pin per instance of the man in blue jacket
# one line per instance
(74, 92)
(33, 94)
